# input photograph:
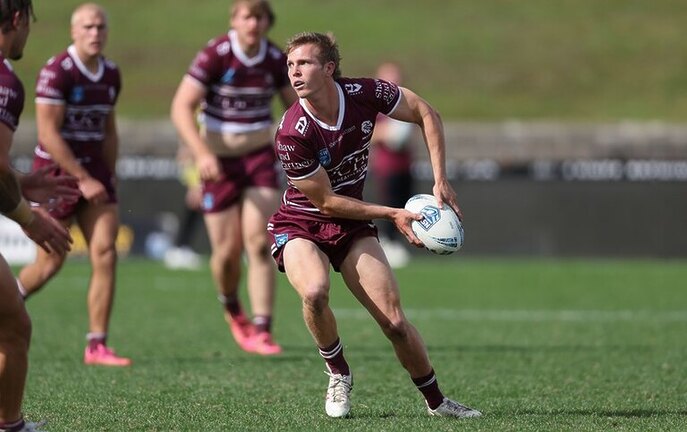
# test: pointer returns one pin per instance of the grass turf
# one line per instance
(535, 344)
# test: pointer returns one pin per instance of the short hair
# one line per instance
(88, 6)
(255, 7)
(9, 7)
(329, 50)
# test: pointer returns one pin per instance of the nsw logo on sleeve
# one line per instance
(324, 157)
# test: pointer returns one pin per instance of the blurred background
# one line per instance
(564, 119)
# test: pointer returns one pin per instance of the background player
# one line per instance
(390, 162)
(234, 79)
(323, 144)
(76, 93)
(15, 325)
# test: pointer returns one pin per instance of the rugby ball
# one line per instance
(439, 230)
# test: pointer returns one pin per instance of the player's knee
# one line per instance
(316, 298)
(104, 255)
(16, 330)
(395, 328)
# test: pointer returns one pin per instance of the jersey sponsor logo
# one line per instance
(324, 157)
(281, 239)
(285, 147)
(7, 94)
(77, 94)
(302, 125)
(228, 76)
(352, 167)
(366, 127)
(385, 91)
(352, 89)
(297, 165)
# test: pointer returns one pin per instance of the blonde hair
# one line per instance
(256, 7)
(329, 50)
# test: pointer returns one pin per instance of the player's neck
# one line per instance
(92, 63)
(325, 104)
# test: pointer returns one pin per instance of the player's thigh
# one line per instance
(307, 268)
(11, 304)
(224, 230)
(370, 278)
(259, 203)
(99, 225)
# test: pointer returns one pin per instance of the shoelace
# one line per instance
(338, 387)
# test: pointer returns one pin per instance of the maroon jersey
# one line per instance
(11, 95)
(88, 99)
(304, 144)
(239, 88)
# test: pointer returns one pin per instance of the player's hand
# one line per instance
(93, 190)
(209, 167)
(402, 218)
(42, 187)
(444, 193)
(48, 233)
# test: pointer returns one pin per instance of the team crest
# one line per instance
(324, 157)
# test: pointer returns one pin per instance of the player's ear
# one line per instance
(329, 68)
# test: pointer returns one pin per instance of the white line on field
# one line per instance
(528, 315)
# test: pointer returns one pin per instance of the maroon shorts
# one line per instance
(334, 238)
(254, 169)
(96, 168)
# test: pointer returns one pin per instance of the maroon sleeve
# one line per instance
(207, 65)
(11, 100)
(384, 95)
(53, 83)
(297, 158)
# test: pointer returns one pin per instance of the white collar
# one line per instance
(84, 70)
(342, 110)
(241, 55)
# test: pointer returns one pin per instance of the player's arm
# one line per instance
(49, 119)
(188, 97)
(40, 227)
(412, 108)
(317, 188)
(111, 142)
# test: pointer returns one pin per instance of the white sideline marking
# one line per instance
(582, 315)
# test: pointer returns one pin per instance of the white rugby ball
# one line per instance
(439, 230)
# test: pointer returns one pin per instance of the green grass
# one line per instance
(536, 345)
(472, 59)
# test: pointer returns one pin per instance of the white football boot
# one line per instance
(338, 400)
(449, 408)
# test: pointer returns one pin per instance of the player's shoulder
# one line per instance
(110, 65)
(357, 87)
(295, 123)
(220, 45)
(61, 62)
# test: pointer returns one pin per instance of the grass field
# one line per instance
(498, 59)
(536, 345)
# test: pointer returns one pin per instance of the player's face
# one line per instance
(306, 73)
(89, 32)
(23, 29)
(250, 27)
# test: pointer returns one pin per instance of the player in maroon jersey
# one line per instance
(323, 144)
(233, 79)
(76, 92)
(15, 325)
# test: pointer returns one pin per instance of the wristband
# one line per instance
(21, 214)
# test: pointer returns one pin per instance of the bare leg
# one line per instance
(99, 225)
(258, 205)
(35, 275)
(369, 277)
(307, 269)
(15, 334)
(225, 239)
